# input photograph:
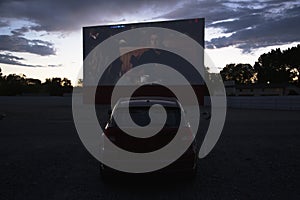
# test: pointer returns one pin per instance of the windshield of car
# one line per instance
(140, 115)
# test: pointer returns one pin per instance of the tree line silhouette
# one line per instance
(13, 84)
(274, 67)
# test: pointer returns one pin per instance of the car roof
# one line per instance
(148, 101)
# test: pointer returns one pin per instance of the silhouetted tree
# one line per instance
(240, 73)
(13, 85)
(1, 82)
(80, 82)
(67, 85)
(57, 86)
(278, 66)
(53, 86)
(33, 86)
(291, 57)
(18, 84)
(275, 66)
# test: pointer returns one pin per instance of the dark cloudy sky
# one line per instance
(41, 33)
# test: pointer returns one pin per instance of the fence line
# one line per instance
(261, 102)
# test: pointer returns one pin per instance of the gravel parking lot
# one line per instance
(42, 157)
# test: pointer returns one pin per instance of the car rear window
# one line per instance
(140, 115)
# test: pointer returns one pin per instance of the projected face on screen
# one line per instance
(153, 53)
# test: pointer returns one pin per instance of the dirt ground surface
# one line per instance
(42, 157)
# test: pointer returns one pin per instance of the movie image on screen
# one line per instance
(92, 36)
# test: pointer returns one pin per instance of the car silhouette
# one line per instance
(185, 165)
